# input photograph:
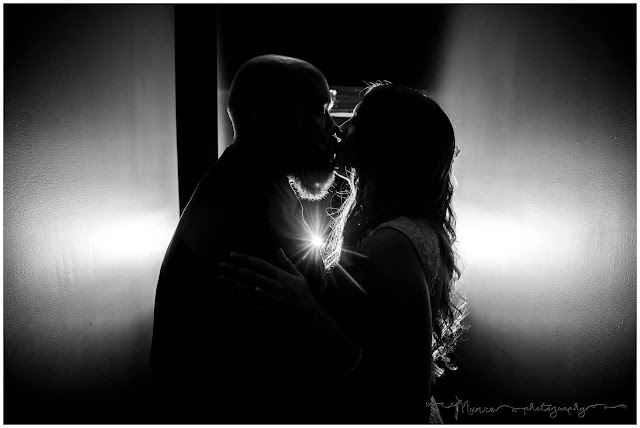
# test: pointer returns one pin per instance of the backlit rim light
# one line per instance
(332, 249)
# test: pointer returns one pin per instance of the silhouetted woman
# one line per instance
(390, 314)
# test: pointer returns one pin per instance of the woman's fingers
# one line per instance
(287, 264)
(250, 295)
(246, 277)
(255, 264)
(258, 300)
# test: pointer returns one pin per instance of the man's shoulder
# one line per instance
(231, 205)
(230, 178)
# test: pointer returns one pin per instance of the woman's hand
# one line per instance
(279, 289)
(282, 291)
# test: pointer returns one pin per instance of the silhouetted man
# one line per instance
(214, 359)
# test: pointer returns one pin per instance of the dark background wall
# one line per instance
(196, 95)
(90, 201)
(349, 43)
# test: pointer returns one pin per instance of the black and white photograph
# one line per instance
(319, 213)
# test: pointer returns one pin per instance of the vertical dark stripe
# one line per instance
(196, 95)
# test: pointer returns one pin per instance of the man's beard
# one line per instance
(312, 186)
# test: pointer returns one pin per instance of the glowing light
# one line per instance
(312, 235)
(342, 114)
(490, 238)
(317, 241)
(132, 237)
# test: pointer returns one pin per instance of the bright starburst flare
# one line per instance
(328, 246)
(313, 235)
(317, 241)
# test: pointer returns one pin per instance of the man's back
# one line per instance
(213, 359)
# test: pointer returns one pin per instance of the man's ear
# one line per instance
(271, 119)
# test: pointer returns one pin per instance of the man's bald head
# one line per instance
(280, 106)
(267, 85)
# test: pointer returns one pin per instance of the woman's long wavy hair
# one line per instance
(405, 149)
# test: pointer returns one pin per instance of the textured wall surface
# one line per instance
(543, 104)
(90, 201)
